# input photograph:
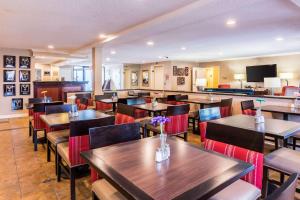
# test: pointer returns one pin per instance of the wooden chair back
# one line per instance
(51, 109)
(245, 105)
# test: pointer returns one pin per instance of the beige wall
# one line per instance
(54, 72)
(289, 63)
(5, 102)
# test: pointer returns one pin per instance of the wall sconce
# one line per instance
(239, 77)
(286, 77)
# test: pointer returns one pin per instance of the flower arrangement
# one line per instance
(161, 120)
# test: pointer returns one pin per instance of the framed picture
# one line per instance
(174, 70)
(17, 104)
(180, 71)
(145, 77)
(180, 80)
(186, 71)
(134, 79)
(47, 73)
(9, 75)
(9, 90)
(24, 76)
(24, 89)
(24, 62)
(9, 61)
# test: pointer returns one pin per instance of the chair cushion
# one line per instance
(63, 151)
(123, 119)
(285, 160)
(249, 112)
(57, 137)
(138, 113)
(237, 191)
(105, 191)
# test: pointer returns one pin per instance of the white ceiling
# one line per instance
(200, 26)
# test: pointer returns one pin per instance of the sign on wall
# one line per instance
(24, 76)
(9, 75)
(24, 89)
(24, 62)
(17, 104)
(9, 61)
(9, 90)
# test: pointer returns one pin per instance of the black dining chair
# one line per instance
(105, 136)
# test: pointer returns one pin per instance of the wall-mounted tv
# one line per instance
(259, 72)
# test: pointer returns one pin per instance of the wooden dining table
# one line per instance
(64, 119)
(276, 128)
(152, 109)
(285, 110)
(189, 173)
(202, 102)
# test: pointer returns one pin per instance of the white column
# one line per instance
(97, 69)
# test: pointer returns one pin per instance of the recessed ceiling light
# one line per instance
(112, 52)
(160, 57)
(102, 36)
(107, 59)
(279, 39)
(183, 48)
(150, 43)
(220, 53)
(230, 22)
(50, 46)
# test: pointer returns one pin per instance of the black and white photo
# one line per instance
(17, 104)
(9, 90)
(9, 61)
(24, 89)
(24, 76)
(24, 62)
(9, 75)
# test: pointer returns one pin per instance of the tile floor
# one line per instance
(27, 175)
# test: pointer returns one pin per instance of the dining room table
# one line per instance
(285, 110)
(276, 128)
(202, 102)
(64, 119)
(189, 173)
(116, 100)
(158, 108)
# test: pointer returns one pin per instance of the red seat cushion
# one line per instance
(180, 103)
(255, 176)
(177, 124)
(30, 112)
(78, 144)
(171, 102)
(82, 107)
(38, 123)
(138, 113)
(123, 119)
(225, 111)
(147, 99)
(249, 112)
(202, 129)
(103, 106)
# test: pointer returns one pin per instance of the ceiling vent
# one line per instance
(296, 2)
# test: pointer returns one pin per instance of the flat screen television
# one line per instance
(259, 72)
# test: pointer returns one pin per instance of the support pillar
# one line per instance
(97, 70)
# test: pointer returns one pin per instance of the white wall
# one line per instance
(5, 102)
(54, 72)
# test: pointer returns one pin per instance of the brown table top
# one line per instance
(281, 109)
(148, 107)
(201, 101)
(272, 127)
(31, 105)
(189, 173)
(59, 119)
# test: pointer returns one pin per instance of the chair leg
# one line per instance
(48, 151)
(30, 128)
(276, 143)
(194, 125)
(56, 160)
(185, 136)
(281, 177)
(72, 183)
(58, 168)
(35, 140)
(94, 196)
(294, 143)
(265, 182)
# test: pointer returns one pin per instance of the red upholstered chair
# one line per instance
(178, 123)
(38, 124)
(181, 97)
(138, 113)
(125, 114)
(56, 135)
(171, 99)
(289, 90)
(101, 106)
(226, 107)
(109, 135)
(147, 99)
(82, 106)
(69, 152)
(204, 116)
(225, 86)
(240, 144)
(248, 108)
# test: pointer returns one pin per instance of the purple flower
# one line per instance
(159, 120)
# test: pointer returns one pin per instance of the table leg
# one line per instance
(285, 142)
(114, 107)
(201, 106)
(285, 116)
